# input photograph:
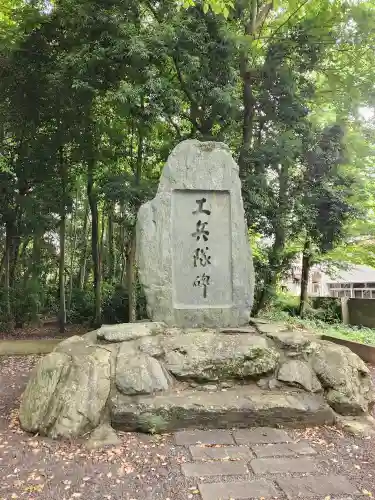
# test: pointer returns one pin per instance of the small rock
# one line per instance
(363, 426)
(273, 384)
(208, 387)
(137, 373)
(298, 373)
(226, 385)
(293, 354)
(129, 331)
(263, 383)
(103, 436)
(290, 339)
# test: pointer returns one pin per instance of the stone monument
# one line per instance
(198, 362)
(194, 230)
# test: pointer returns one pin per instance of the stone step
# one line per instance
(197, 436)
(283, 465)
(316, 486)
(283, 449)
(206, 453)
(243, 490)
(242, 407)
(202, 469)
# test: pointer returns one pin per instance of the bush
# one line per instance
(285, 302)
(115, 305)
(81, 306)
(327, 309)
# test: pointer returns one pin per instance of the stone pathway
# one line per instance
(237, 466)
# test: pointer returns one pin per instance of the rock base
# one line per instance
(246, 406)
(148, 377)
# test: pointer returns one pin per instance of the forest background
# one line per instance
(96, 93)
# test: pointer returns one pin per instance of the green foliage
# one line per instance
(326, 309)
(81, 307)
(96, 94)
(321, 309)
(354, 333)
(114, 306)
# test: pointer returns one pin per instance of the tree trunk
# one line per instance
(102, 243)
(2, 265)
(122, 263)
(83, 263)
(130, 257)
(63, 176)
(252, 24)
(94, 240)
(276, 257)
(111, 249)
(8, 248)
(306, 265)
(73, 237)
(15, 243)
(130, 278)
(62, 312)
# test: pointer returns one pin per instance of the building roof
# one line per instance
(354, 274)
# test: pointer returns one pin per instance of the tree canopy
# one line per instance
(96, 94)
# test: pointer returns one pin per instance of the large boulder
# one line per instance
(345, 377)
(68, 390)
(299, 373)
(210, 356)
(138, 373)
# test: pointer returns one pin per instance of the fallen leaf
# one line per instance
(367, 493)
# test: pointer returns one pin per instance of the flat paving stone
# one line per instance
(238, 490)
(220, 453)
(305, 487)
(261, 435)
(185, 438)
(201, 469)
(283, 449)
(282, 465)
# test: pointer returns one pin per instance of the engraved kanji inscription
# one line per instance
(201, 257)
(202, 281)
(201, 231)
(200, 209)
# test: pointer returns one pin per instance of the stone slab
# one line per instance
(283, 449)
(283, 465)
(125, 332)
(202, 469)
(184, 438)
(244, 490)
(195, 230)
(237, 407)
(316, 486)
(220, 453)
(261, 435)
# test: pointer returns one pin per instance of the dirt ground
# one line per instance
(48, 330)
(142, 468)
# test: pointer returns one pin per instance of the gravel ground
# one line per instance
(142, 467)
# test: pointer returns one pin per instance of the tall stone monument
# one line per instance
(193, 249)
